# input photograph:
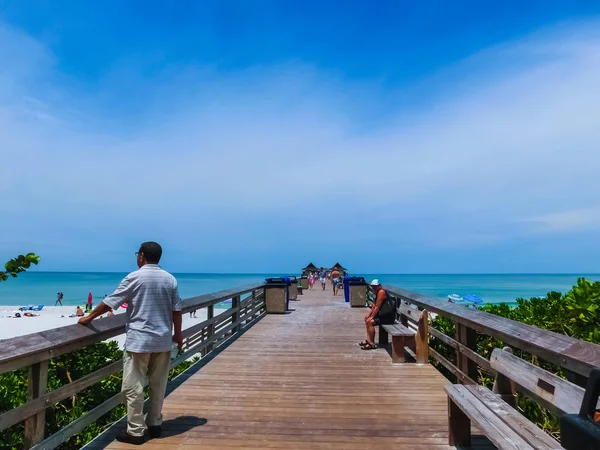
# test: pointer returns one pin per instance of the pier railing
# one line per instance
(34, 351)
(576, 357)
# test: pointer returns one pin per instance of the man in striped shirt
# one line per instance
(153, 310)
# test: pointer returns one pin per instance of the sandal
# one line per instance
(363, 343)
(369, 347)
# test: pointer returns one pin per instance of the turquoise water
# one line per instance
(41, 287)
(491, 288)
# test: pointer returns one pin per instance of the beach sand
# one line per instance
(52, 317)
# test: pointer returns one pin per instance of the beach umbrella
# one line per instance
(472, 298)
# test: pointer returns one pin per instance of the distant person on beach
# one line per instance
(79, 312)
(59, 298)
(153, 310)
(90, 303)
(381, 313)
(334, 280)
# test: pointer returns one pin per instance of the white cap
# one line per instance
(375, 282)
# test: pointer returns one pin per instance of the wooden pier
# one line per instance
(299, 380)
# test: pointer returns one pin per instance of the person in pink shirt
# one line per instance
(90, 303)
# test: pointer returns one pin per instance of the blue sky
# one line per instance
(256, 136)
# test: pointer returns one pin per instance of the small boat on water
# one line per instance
(473, 298)
(455, 298)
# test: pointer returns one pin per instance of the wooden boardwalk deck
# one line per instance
(300, 381)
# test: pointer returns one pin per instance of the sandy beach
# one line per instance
(58, 316)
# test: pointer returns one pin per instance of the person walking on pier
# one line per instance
(323, 278)
(153, 310)
(381, 313)
(335, 280)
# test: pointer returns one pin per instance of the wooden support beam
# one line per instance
(37, 386)
(467, 337)
(422, 339)
(235, 305)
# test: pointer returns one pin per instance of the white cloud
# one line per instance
(567, 221)
(509, 134)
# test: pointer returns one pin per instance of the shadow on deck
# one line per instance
(300, 381)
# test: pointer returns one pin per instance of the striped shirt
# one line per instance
(151, 296)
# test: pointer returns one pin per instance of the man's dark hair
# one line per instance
(152, 252)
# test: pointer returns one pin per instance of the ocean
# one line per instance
(42, 287)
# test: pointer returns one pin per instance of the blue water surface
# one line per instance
(42, 287)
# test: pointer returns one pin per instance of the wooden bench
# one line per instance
(416, 339)
(494, 412)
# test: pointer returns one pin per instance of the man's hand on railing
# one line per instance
(98, 311)
(178, 339)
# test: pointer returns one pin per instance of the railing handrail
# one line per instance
(22, 351)
(572, 354)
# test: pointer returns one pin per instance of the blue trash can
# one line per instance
(347, 289)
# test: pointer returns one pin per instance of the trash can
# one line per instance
(304, 282)
(358, 291)
(288, 285)
(582, 431)
(347, 288)
(293, 289)
(276, 295)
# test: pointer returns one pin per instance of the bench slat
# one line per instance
(514, 419)
(398, 330)
(501, 435)
(566, 398)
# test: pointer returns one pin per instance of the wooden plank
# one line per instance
(462, 377)
(37, 385)
(459, 425)
(467, 338)
(409, 312)
(515, 420)
(235, 306)
(422, 339)
(479, 360)
(494, 428)
(553, 393)
(572, 354)
(398, 329)
(16, 415)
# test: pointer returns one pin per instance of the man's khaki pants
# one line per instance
(136, 367)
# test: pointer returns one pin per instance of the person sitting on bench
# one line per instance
(382, 313)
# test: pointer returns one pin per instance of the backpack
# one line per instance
(389, 305)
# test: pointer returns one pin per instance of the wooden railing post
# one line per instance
(253, 306)
(38, 385)
(422, 338)
(467, 337)
(235, 303)
(210, 314)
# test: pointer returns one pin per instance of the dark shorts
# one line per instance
(384, 320)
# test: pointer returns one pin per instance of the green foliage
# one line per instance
(17, 265)
(576, 314)
(61, 371)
